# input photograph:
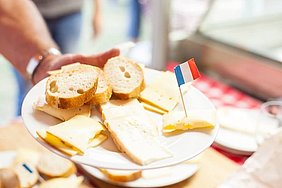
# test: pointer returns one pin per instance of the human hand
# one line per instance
(54, 62)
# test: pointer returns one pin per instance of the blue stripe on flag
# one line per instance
(179, 76)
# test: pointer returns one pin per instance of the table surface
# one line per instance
(214, 167)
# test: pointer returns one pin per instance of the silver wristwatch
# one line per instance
(37, 59)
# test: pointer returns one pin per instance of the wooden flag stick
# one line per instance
(183, 101)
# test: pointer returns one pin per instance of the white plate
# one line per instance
(236, 142)
(152, 178)
(237, 131)
(183, 146)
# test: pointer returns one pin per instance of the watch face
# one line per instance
(35, 60)
(32, 64)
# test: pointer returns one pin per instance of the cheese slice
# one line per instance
(77, 132)
(176, 120)
(153, 108)
(56, 142)
(118, 109)
(162, 92)
(62, 114)
(134, 133)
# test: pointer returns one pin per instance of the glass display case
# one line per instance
(251, 25)
(240, 41)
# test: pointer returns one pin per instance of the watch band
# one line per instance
(36, 60)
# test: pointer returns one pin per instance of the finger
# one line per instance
(100, 59)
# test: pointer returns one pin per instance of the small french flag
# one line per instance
(186, 72)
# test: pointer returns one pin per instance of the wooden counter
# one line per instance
(214, 167)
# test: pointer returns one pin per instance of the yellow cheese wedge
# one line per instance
(62, 114)
(176, 120)
(56, 142)
(162, 92)
(77, 132)
(153, 108)
(98, 139)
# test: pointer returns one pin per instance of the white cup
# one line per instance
(269, 121)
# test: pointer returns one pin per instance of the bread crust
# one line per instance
(104, 90)
(48, 162)
(122, 176)
(73, 101)
(113, 69)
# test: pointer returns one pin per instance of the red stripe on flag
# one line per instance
(194, 70)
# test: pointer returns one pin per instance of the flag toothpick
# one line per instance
(186, 72)
(183, 104)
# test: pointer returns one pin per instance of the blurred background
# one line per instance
(238, 42)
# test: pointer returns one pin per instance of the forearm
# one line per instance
(97, 7)
(23, 32)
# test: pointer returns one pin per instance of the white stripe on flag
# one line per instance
(186, 72)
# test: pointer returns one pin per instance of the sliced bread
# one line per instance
(71, 89)
(125, 76)
(27, 173)
(122, 175)
(8, 178)
(52, 165)
(104, 90)
(70, 182)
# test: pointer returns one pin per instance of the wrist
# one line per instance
(35, 62)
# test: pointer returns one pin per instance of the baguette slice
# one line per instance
(8, 178)
(125, 76)
(71, 182)
(71, 89)
(104, 90)
(122, 175)
(52, 166)
(27, 174)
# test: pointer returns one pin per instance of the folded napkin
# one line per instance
(263, 169)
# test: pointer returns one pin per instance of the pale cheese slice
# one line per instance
(77, 132)
(134, 133)
(163, 92)
(126, 108)
(62, 114)
(176, 120)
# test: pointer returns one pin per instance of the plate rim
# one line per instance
(229, 148)
(102, 177)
